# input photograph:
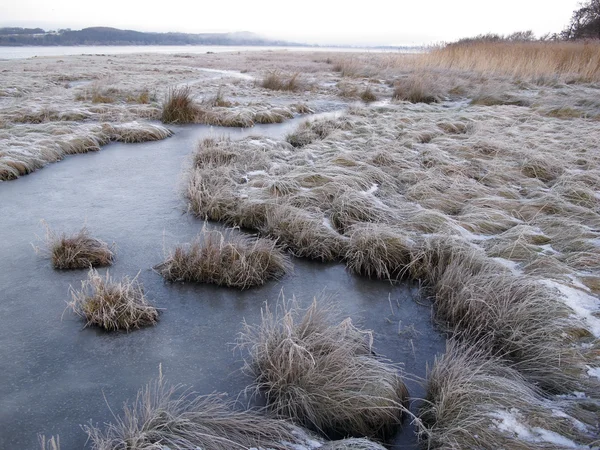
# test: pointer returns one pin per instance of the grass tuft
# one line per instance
(178, 106)
(416, 89)
(378, 251)
(277, 81)
(112, 305)
(322, 373)
(76, 251)
(226, 259)
(164, 416)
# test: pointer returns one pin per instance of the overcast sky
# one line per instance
(390, 22)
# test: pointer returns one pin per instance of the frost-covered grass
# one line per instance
(168, 416)
(112, 305)
(227, 259)
(481, 204)
(322, 373)
(475, 401)
(76, 251)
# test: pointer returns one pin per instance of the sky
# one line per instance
(373, 22)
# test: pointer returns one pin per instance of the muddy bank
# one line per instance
(58, 375)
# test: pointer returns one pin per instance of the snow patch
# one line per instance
(593, 371)
(511, 422)
(582, 304)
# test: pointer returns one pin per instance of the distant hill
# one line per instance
(114, 36)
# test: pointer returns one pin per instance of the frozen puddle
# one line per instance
(56, 375)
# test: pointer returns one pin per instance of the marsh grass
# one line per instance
(112, 305)
(579, 61)
(169, 416)
(417, 89)
(178, 106)
(378, 251)
(322, 373)
(226, 258)
(305, 235)
(458, 412)
(76, 251)
(278, 81)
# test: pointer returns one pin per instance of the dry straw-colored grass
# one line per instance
(76, 251)
(578, 61)
(178, 106)
(472, 396)
(322, 373)
(166, 416)
(278, 81)
(227, 259)
(112, 305)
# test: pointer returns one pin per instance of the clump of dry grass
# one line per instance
(112, 305)
(304, 234)
(416, 89)
(322, 373)
(378, 251)
(367, 95)
(277, 81)
(311, 131)
(510, 315)
(472, 397)
(136, 132)
(165, 416)
(227, 259)
(76, 251)
(179, 106)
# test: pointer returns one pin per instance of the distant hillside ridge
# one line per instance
(14, 36)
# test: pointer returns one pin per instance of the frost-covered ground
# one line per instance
(491, 196)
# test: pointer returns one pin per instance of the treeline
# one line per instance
(584, 24)
(114, 36)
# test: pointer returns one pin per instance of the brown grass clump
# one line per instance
(277, 81)
(368, 95)
(305, 235)
(164, 416)
(178, 106)
(509, 315)
(76, 251)
(112, 305)
(470, 395)
(136, 132)
(416, 89)
(378, 251)
(227, 259)
(322, 373)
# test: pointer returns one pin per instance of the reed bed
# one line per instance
(525, 60)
